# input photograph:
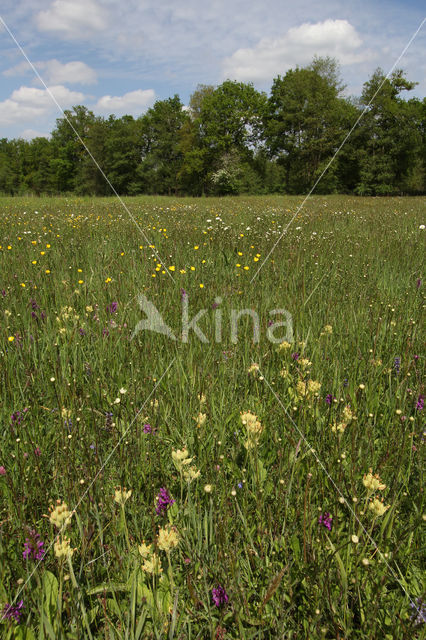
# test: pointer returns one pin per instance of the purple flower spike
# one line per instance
(147, 428)
(112, 308)
(219, 596)
(329, 398)
(420, 403)
(164, 499)
(13, 612)
(326, 520)
(33, 547)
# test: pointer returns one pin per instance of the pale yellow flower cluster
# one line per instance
(253, 369)
(377, 507)
(308, 389)
(168, 538)
(60, 516)
(200, 419)
(62, 548)
(183, 464)
(121, 495)
(338, 427)
(373, 483)
(284, 346)
(327, 331)
(254, 429)
(151, 560)
(347, 415)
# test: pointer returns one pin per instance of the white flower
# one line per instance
(422, 226)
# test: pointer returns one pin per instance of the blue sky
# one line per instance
(119, 57)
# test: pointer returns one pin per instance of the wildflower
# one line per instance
(295, 355)
(355, 539)
(284, 346)
(191, 473)
(62, 548)
(13, 612)
(2, 471)
(420, 403)
(348, 416)
(208, 488)
(144, 550)
(327, 331)
(377, 507)
(112, 308)
(180, 458)
(329, 398)
(152, 565)
(147, 428)
(33, 547)
(253, 369)
(163, 501)
(219, 596)
(313, 387)
(60, 516)
(418, 616)
(326, 520)
(372, 483)
(397, 365)
(200, 419)
(122, 495)
(168, 538)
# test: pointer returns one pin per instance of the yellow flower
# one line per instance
(144, 550)
(313, 386)
(338, 427)
(284, 346)
(328, 330)
(191, 473)
(168, 538)
(253, 369)
(108, 280)
(152, 565)
(377, 507)
(60, 516)
(347, 414)
(372, 483)
(122, 495)
(62, 548)
(11, 338)
(172, 268)
(201, 285)
(200, 419)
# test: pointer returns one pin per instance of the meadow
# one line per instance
(222, 488)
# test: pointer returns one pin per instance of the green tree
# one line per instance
(390, 155)
(306, 121)
(161, 153)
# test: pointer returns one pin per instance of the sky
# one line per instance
(120, 57)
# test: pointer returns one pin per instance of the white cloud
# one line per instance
(55, 72)
(27, 104)
(72, 18)
(273, 56)
(132, 103)
(29, 134)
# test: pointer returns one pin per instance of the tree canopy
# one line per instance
(234, 139)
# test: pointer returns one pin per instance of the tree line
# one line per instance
(233, 139)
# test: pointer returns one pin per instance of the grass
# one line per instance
(78, 392)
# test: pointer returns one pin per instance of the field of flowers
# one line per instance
(196, 483)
